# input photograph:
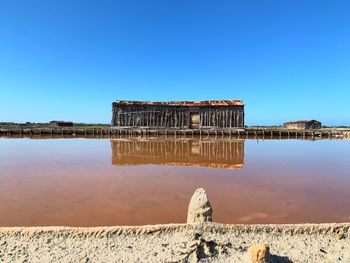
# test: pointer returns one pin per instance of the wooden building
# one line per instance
(61, 123)
(307, 125)
(181, 115)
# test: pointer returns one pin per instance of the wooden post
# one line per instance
(181, 118)
(165, 120)
(235, 119)
(207, 113)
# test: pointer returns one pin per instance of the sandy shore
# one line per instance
(204, 242)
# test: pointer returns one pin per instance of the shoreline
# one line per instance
(199, 240)
(113, 132)
(196, 242)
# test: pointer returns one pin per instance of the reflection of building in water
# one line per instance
(194, 152)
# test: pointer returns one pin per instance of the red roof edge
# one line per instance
(183, 103)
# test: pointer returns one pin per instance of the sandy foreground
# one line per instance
(198, 242)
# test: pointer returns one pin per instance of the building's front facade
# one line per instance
(307, 125)
(61, 123)
(181, 115)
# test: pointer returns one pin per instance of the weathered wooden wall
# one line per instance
(177, 117)
(223, 117)
(151, 116)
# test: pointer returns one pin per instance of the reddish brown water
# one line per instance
(95, 182)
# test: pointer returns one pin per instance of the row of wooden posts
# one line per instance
(264, 133)
(222, 118)
(153, 118)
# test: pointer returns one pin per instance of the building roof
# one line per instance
(182, 103)
(301, 122)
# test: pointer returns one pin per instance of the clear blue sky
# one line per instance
(69, 60)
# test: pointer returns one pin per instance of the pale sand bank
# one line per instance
(204, 242)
